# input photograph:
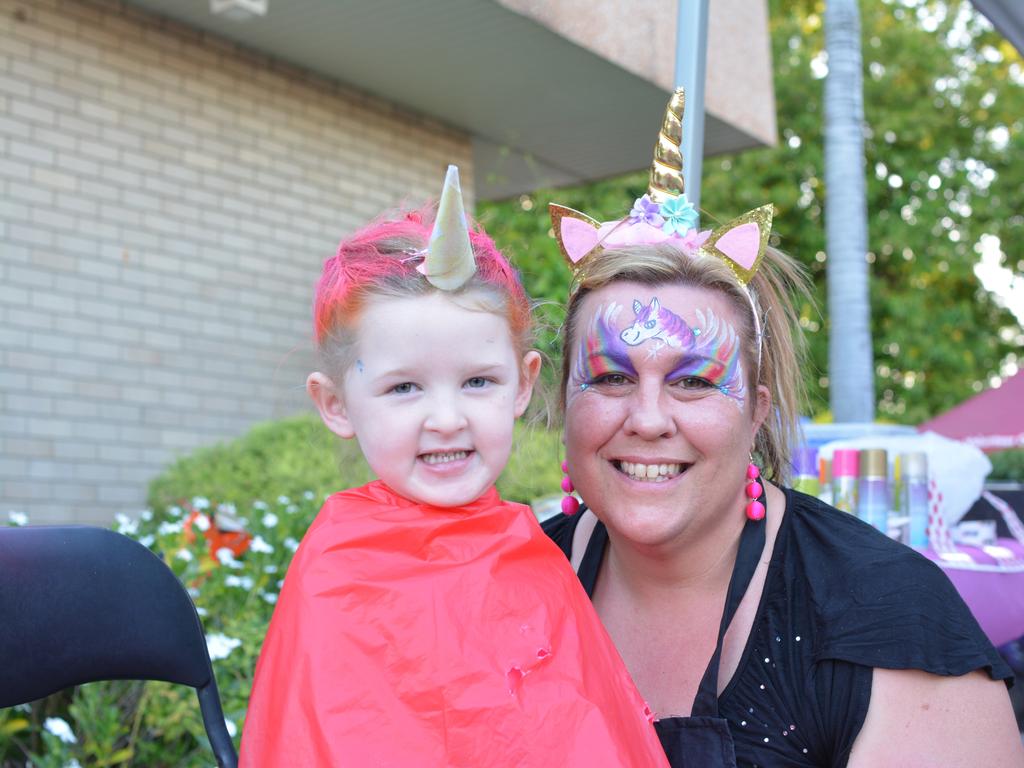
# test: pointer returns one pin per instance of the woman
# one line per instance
(829, 645)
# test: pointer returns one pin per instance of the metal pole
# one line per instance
(691, 61)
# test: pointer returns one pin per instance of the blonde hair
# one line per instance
(776, 287)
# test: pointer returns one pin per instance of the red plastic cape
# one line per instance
(416, 636)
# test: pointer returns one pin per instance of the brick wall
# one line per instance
(166, 200)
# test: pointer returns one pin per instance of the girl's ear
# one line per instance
(527, 378)
(329, 405)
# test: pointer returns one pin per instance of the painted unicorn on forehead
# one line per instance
(664, 216)
(653, 322)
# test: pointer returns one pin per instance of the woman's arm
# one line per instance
(918, 719)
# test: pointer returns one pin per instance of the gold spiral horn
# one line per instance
(667, 169)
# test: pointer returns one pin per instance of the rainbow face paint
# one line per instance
(709, 351)
(602, 350)
(715, 357)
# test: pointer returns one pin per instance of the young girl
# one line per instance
(424, 621)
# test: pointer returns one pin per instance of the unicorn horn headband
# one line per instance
(449, 262)
(665, 216)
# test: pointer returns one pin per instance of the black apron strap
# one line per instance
(592, 556)
(751, 545)
(752, 541)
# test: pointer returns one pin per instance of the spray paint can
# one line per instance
(914, 467)
(873, 489)
(825, 480)
(805, 470)
(845, 468)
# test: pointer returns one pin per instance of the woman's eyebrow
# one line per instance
(619, 357)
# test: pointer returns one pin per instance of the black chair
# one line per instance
(79, 604)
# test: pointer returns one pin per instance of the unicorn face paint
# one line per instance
(658, 414)
(653, 322)
(709, 352)
(602, 350)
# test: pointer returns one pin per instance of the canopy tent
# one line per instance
(1007, 16)
(992, 420)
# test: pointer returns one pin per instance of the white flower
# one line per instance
(147, 540)
(72, 763)
(260, 546)
(220, 646)
(146, 514)
(291, 509)
(202, 522)
(283, 500)
(184, 554)
(309, 495)
(193, 592)
(269, 520)
(259, 504)
(245, 582)
(270, 597)
(232, 729)
(227, 508)
(174, 511)
(17, 518)
(271, 568)
(227, 558)
(169, 528)
(200, 502)
(126, 525)
(60, 728)
(200, 610)
(291, 543)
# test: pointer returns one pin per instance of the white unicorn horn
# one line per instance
(449, 262)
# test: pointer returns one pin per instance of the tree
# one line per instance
(944, 138)
(846, 236)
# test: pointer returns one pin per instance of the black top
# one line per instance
(839, 599)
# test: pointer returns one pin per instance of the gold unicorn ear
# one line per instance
(449, 261)
(741, 243)
(575, 232)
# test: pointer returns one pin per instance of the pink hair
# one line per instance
(387, 251)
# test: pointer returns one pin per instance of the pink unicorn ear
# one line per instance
(575, 232)
(741, 242)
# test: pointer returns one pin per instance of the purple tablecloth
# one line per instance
(992, 587)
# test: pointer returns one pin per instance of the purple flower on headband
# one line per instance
(647, 211)
(680, 215)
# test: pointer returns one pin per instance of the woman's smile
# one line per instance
(650, 472)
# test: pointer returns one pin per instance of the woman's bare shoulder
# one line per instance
(916, 718)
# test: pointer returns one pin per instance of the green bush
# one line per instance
(286, 457)
(157, 724)
(295, 455)
(1008, 465)
(273, 480)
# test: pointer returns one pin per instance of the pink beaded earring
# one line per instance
(570, 504)
(755, 509)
